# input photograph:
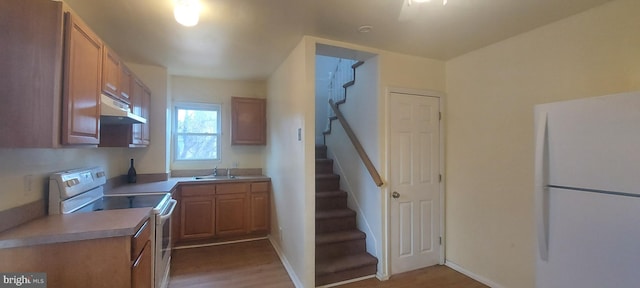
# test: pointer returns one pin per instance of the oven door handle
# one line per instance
(166, 216)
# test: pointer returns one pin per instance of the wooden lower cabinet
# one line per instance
(259, 220)
(197, 217)
(141, 268)
(102, 262)
(216, 212)
(231, 214)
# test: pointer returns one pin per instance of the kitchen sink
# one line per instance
(213, 177)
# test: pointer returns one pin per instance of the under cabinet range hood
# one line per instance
(115, 112)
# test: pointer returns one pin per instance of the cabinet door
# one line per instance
(141, 269)
(125, 83)
(31, 63)
(136, 103)
(110, 73)
(146, 103)
(81, 89)
(248, 121)
(231, 214)
(259, 212)
(197, 217)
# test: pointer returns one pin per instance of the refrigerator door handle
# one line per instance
(541, 189)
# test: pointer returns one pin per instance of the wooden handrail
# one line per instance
(356, 143)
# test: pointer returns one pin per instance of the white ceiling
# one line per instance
(247, 39)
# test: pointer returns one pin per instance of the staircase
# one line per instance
(340, 247)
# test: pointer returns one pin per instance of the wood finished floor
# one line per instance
(256, 264)
(246, 264)
(438, 276)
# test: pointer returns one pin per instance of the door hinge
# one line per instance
(440, 178)
(440, 240)
(439, 115)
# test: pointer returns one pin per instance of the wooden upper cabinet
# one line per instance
(248, 121)
(54, 77)
(140, 100)
(31, 77)
(130, 135)
(146, 107)
(81, 87)
(111, 73)
(125, 83)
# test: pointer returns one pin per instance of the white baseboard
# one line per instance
(382, 277)
(218, 243)
(472, 275)
(285, 263)
(346, 281)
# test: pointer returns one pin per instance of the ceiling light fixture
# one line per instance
(187, 12)
(365, 28)
(444, 2)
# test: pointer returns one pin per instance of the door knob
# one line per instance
(395, 195)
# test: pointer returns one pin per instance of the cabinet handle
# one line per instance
(146, 246)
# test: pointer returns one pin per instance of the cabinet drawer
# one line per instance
(231, 188)
(197, 190)
(260, 187)
(140, 239)
(141, 269)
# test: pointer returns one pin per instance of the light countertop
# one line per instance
(168, 185)
(102, 224)
(75, 227)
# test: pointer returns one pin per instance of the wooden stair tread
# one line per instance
(327, 238)
(340, 246)
(336, 213)
(326, 176)
(329, 194)
(333, 265)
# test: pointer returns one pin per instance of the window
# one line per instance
(196, 132)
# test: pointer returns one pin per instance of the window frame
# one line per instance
(174, 133)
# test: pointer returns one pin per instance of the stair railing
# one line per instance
(356, 143)
(342, 74)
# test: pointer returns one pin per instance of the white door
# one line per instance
(414, 157)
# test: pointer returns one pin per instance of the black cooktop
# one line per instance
(112, 202)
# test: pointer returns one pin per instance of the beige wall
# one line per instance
(405, 71)
(19, 165)
(290, 162)
(216, 91)
(491, 93)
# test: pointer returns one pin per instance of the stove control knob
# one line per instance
(72, 182)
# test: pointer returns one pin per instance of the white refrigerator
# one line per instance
(587, 192)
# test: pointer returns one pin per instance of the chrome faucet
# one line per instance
(215, 171)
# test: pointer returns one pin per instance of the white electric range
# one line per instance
(82, 190)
